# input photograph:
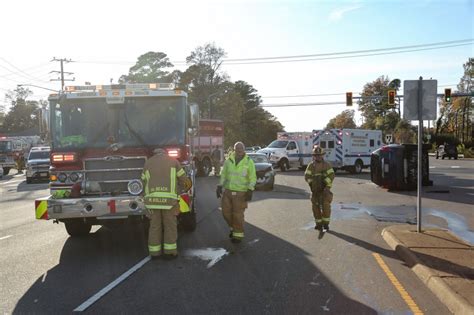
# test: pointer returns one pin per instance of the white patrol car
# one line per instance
(37, 166)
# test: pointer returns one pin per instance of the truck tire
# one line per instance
(187, 221)
(6, 170)
(77, 228)
(206, 167)
(29, 180)
(284, 165)
(357, 168)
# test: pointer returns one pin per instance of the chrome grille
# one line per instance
(112, 173)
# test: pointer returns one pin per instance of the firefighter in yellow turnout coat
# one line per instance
(160, 176)
(238, 178)
(319, 175)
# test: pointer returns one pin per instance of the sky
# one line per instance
(104, 39)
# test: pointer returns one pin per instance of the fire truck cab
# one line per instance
(101, 136)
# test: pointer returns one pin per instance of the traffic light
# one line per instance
(391, 98)
(349, 99)
(447, 95)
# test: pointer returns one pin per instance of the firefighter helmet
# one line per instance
(317, 150)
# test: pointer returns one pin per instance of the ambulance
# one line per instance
(290, 150)
(348, 149)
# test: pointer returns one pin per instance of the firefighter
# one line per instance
(216, 160)
(319, 175)
(238, 179)
(20, 162)
(160, 176)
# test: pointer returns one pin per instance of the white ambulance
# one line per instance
(348, 149)
(290, 150)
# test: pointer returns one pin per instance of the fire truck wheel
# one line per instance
(284, 165)
(6, 170)
(77, 228)
(357, 168)
(206, 167)
(188, 221)
(29, 180)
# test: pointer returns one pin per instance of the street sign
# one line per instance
(388, 139)
(428, 99)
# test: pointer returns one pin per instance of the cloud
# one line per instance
(337, 14)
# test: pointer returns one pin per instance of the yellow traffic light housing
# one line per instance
(447, 95)
(391, 97)
(349, 99)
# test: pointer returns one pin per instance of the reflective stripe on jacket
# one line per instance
(321, 172)
(159, 177)
(240, 177)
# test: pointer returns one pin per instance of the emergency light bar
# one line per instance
(128, 87)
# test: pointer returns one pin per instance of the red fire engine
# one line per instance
(101, 137)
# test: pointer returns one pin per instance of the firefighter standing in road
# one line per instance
(160, 176)
(238, 178)
(216, 160)
(319, 175)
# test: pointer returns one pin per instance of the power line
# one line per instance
(17, 72)
(302, 104)
(325, 56)
(21, 72)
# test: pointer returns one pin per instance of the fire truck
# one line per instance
(210, 135)
(14, 148)
(101, 136)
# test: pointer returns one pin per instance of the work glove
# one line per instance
(248, 195)
(219, 191)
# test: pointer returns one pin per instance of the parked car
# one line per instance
(265, 172)
(252, 149)
(37, 166)
(447, 150)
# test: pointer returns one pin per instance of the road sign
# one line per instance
(428, 99)
(388, 139)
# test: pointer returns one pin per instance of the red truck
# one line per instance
(210, 135)
(101, 136)
(14, 148)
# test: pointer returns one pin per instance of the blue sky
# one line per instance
(112, 36)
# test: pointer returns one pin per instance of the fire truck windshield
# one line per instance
(88, 123)
(278, 144)
(5, 146)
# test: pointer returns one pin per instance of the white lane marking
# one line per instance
(5, 237)
(253, 241)
(44, 276)
(111, 285)
(432, 166)
(214, 255)
(455, 166)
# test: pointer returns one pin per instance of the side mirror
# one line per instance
(194, 115)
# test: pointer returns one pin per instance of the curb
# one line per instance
(453, 301)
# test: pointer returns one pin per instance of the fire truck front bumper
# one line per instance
(99, 207)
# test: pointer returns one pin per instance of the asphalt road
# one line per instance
(283, 267)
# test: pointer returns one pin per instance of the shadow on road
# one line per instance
(263, 275)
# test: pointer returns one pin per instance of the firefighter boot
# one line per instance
(318, 226)
(326, 227)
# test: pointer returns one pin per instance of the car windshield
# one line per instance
(137, 122)
(39, 155)
(278, 144)
(258, 158)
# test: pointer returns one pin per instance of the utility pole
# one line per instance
(62, 61)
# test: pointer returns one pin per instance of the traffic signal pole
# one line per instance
(420, 152)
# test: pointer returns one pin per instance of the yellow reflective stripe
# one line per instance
(330, 171)
(162, 195)
(41, 209)
(328, 180)
(158, 207)
(154, 248)
(325, 219)
(173, 180)
(183, 205)
(170, 246)
(180, 173)
(238, 234)
(146, 174)
(319, 221)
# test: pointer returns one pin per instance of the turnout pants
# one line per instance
(321, 202)
(233, 207)
(163, 232)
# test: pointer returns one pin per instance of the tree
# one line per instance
(373, 109)
(23, 114)
(150, 68)
(404, 132)
(343, 120)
